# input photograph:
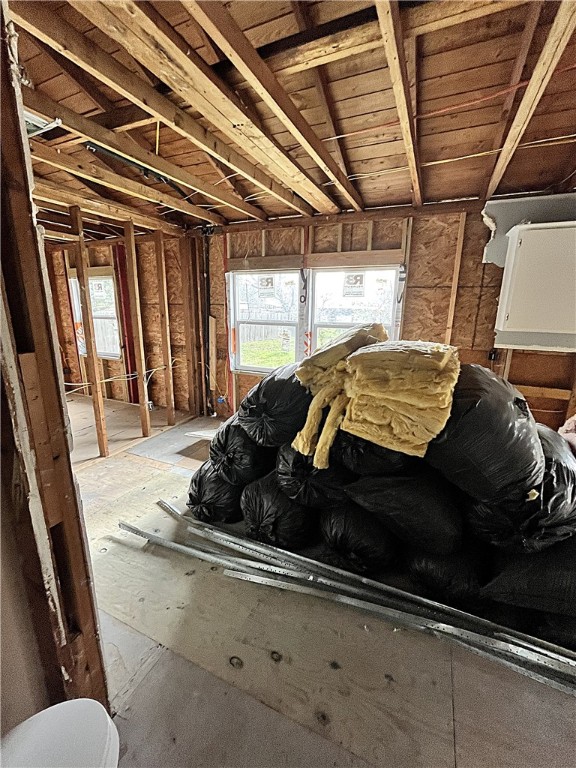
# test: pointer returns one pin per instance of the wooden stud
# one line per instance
(165, 327)
(136, 318)
(391, 28)
(560, 33)
(85, 170)
(547, 393)
(223, 29)
(126, 147)
(48, 191)
(369, 235)
(190, 323)
(82, 267)
(455, 278)
(407, 250)
(47, 25)
(532, 16)
(507, 363)
(200, 284)
(340, 228)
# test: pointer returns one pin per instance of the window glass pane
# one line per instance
(103, 296)
(327, 335)
(354, 296)
(267, 296)
(106, 328)
(107, 337)
(266, 346)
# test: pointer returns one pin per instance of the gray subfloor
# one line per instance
(170, 713)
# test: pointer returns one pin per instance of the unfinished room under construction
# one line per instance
(288, 384)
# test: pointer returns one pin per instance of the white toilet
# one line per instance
(74, 734)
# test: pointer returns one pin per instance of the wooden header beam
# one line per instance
(189, 76)
(391, 27)
(49, 192)
(560, 33)
(40, 104)
(84, 170)
(47, 25)
(222, 28)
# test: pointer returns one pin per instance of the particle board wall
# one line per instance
(427, 295)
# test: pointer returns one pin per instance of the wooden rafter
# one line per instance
(391, 28)
(56, 32)
(87, 84)
(191, 78)
(560, 33)
(46, 191)
(92, 172)
(38, 103)
(302, 14)
(231, 39)
(532, 16)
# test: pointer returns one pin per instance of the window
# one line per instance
(278, 317)
(104, 314)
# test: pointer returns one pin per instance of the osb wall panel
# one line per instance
(101, 256)
(245, 244)
(324, 239)
(148, 284)
(68, 341)
(284, 242)
(386, 233)
(218, 312)
(244, 383)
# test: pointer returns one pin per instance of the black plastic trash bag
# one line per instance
(454, 578)
(275, 410)
(236, 457)
(544, 581)
(212, 499)
(301, 481)
(489, 447)
(420, 510)
(365, 458)
(272, 518)
(356, 540)
(546, 520)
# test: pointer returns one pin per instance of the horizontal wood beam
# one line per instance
(48, 26)
(430, 17)
(126, 22)
(37, 102)
(546, 393)
(47, 191)
(372, 214)
(229, 37)
(85, 170)
(560, 33)
(373, 258)
(391, 28)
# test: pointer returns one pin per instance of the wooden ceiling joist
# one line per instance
(86, 170)
(560, 33)
(39, 103)
(191, 78)
(235, 45)
(391, 28)
(46, 191)
(48, 26)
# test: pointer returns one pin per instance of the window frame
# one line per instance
(305, 329)
(96, 272)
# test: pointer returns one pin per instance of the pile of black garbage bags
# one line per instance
(486, 522)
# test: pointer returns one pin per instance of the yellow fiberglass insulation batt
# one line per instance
(400, 393)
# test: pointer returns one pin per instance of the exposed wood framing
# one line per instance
(302, 14)
(33, 379)
(136, 318)
(223, 29)
(49, 192)
(455, 278)
(85, 170)
(560, 33)
(391, 28)
(87, 84)
(190, 77)
(40, 104)
(56, 32)
(187, 247)
(548, 393)
(532, 16)
(373, 214)
(345, 259)
(82, 267)
(164, 327)
(430, 17)
(407, 226)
